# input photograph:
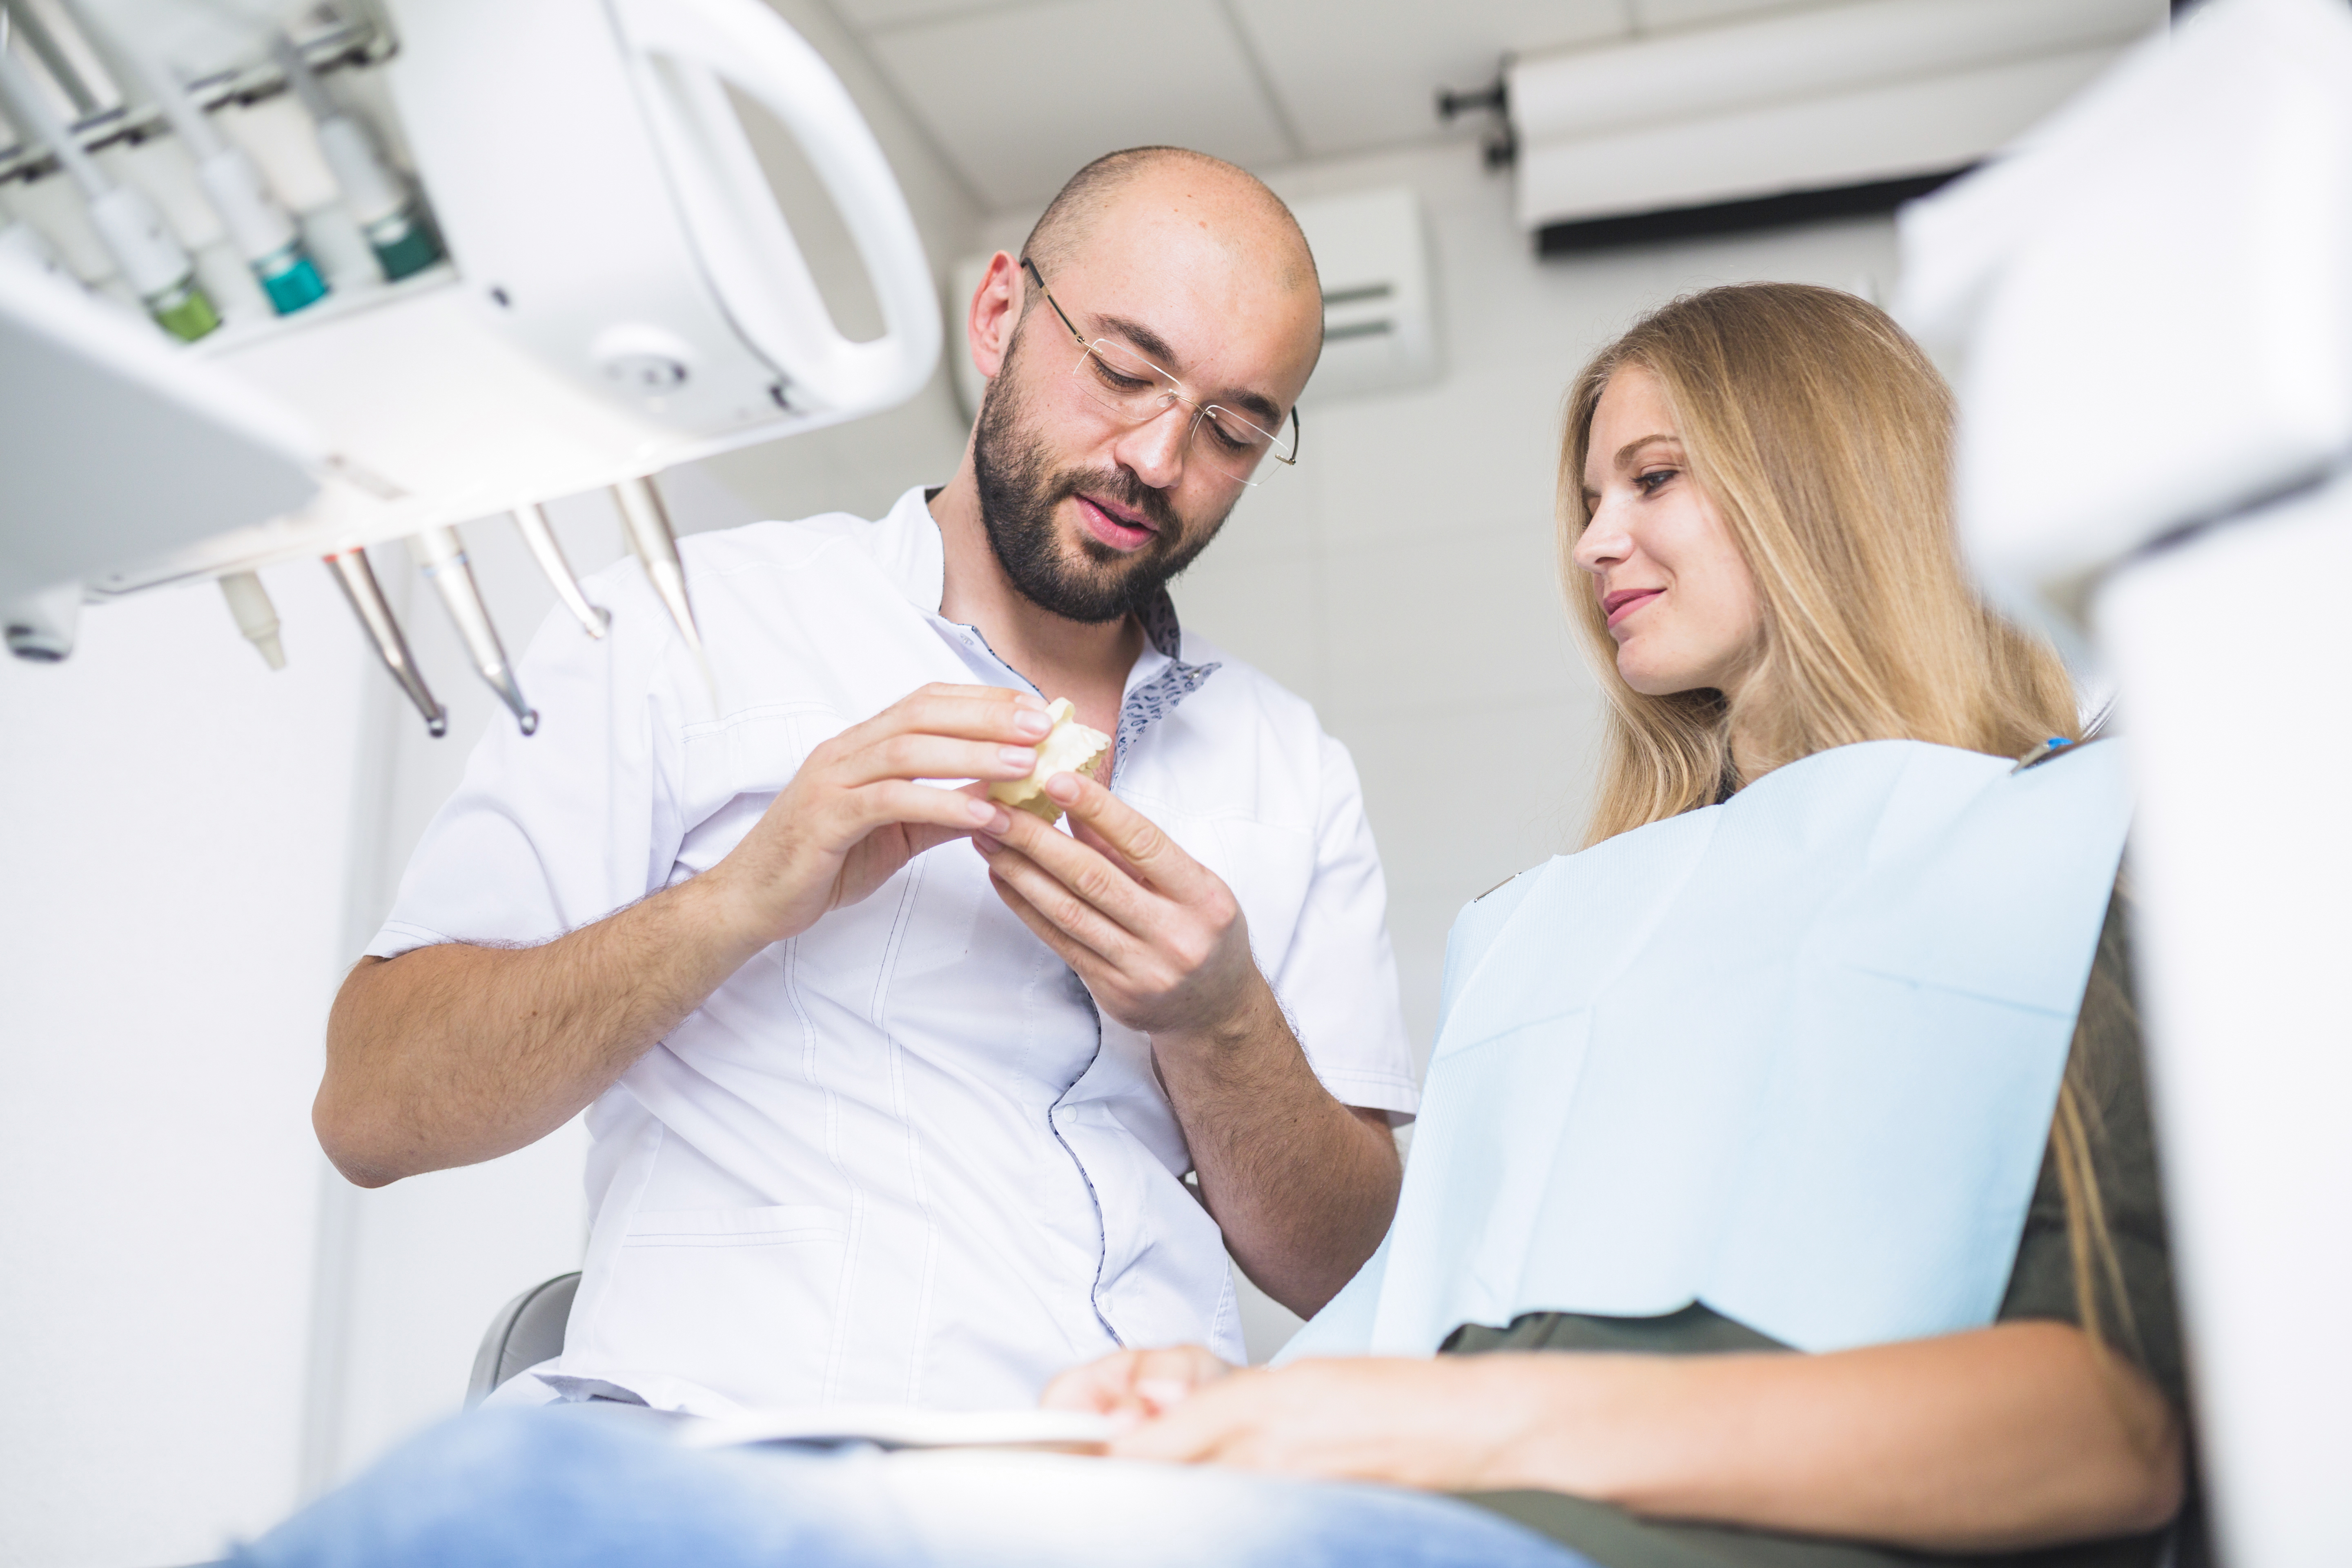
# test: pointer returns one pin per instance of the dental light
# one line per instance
(2150, 311)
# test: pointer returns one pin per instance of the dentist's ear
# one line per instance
(995, 311)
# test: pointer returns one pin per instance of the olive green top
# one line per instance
(2107, 1069)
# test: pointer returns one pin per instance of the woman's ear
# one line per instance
(995, 311)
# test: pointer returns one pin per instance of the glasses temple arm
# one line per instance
(1074, 331)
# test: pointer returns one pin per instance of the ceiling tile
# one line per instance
(866, 14)
(1661, 15)
(1365, 73)
(1019, 99)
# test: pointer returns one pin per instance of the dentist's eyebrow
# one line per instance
(1158, 350)
(1154, 347)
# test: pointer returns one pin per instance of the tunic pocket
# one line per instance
(741, 1301)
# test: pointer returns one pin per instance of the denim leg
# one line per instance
(530, 1487)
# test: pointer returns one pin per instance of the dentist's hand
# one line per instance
(1158, 937)
(854, 813)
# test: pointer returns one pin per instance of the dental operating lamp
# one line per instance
(2148, 310)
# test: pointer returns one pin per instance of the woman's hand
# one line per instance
(1134, 1386)
(1989, 1440)
(1451, 1423)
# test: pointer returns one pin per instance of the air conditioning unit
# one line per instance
(1821, 112)
(1380, 331)
(1371, 248)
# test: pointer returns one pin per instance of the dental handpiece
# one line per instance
(357, 580)
(540, 535)
(441, 555)
(646, 521)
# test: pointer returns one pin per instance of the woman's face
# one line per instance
(1678, 596)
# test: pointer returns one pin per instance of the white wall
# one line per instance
(174, 826)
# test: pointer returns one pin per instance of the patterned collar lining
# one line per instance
(1147, 704)
(1157, 697)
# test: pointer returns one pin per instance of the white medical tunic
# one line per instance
(900, 1157)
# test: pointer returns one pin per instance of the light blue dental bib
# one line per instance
(1794, 1056)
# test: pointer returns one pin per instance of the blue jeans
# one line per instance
(554, 1488)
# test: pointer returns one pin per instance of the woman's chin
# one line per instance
(1651, 682)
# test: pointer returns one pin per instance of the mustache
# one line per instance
(1122, 485)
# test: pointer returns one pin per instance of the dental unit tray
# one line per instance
(622, 292)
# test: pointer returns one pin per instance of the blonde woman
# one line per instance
(1783, 1195)
(1754, 520)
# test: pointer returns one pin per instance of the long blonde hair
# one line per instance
(1824, 437)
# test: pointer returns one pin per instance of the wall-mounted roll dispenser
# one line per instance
(620, 293)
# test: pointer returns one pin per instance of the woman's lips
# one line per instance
(1625, 601)
(1112, 529)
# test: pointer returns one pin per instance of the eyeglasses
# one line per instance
(1131, 387)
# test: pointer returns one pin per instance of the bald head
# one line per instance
(1230, 205)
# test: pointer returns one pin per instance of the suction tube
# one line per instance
(261, 229)
(257, 618)
(441, 556)
(151, 260)
(540, 537)
(391, 218)
(357, 580)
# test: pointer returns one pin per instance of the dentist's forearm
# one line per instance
(455, 1054)
(1303, 1186)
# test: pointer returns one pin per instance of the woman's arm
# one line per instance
(2004, 1438)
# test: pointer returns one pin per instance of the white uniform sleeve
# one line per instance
(552, 831)
(1338, 977)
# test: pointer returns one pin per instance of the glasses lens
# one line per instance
(1135, 389)
(1130, 386)
(1243, 440)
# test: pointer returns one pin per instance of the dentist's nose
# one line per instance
(1154, 450)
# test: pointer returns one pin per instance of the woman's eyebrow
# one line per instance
(1625, 453)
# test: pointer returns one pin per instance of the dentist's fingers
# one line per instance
(1158, 862)
(1092, 966)
(1082, 873)
(929, 756)
(966, 712)
(858, 811)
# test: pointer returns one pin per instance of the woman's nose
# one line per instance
(1602, 543)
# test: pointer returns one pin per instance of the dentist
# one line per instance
(894, 1094)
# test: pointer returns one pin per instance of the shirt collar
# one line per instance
(907, 546)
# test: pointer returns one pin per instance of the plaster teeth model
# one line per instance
(1068, 748)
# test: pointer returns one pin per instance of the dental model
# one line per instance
(1069, 747)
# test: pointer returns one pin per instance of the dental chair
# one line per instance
(525, 1332)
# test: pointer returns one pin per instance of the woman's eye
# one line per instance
(1655, 480)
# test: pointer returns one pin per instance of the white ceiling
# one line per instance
(1019, 93)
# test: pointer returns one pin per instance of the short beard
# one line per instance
(1019, 490)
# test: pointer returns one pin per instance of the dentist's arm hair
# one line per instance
(456, 1053)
